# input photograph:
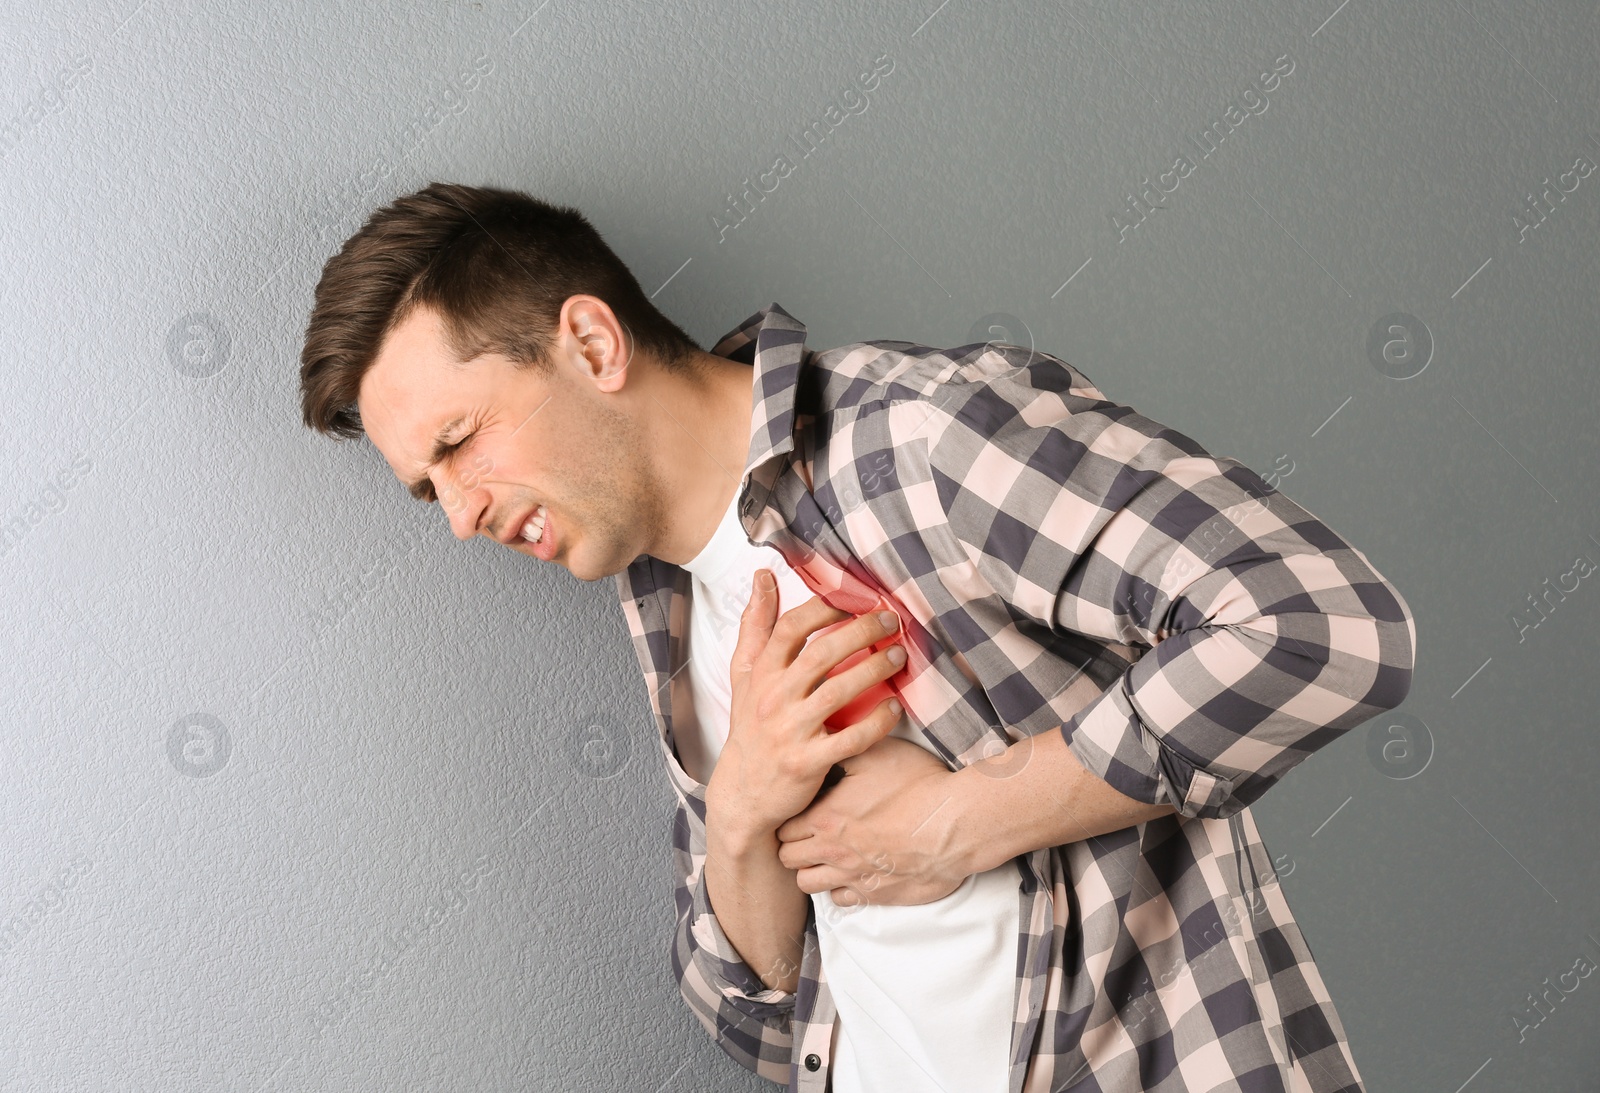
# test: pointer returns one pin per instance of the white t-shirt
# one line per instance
(925, 993)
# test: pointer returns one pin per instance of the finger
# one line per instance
(834, 881)
(796, 625)
(829, 649)
(820, 878)
(795, 827)
(756, 623)
(857, 738)
(840, 689)
(797, 856)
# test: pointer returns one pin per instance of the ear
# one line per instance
(598, 342)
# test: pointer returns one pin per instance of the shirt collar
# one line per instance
(772, 341)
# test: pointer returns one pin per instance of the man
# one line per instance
(1117, 642)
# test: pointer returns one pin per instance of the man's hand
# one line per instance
(776, 757)
(785, 686)
(882, 834)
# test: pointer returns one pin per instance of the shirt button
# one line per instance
(813, 1062)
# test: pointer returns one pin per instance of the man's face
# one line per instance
(565, 440)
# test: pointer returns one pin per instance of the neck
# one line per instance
(701, 439)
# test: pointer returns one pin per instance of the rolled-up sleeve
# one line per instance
(1269, 636)
(1264, 634)
(748, 1020)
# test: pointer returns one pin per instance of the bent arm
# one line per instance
(747, 1018)
(1264, 634)
(758, 903)
(1033, 795)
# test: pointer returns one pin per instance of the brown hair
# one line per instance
(496, 264)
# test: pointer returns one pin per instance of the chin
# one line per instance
(592, 577)
(584, 572)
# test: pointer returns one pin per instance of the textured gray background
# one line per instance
(264, 715)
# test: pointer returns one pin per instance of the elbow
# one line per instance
(1396, 632)
(1389, 688)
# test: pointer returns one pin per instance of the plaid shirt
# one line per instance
(1063, 564)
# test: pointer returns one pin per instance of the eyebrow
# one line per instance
(419, 489)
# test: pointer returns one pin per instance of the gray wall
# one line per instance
(292, 785)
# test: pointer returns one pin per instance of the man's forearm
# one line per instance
(1034, 794)
(758, 903)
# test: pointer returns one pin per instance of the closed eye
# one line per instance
(422, 490)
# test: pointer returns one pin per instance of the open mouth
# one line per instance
(538, 532)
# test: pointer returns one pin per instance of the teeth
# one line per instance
(533, 530)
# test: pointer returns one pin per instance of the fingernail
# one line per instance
(894, 706)
(897, 655)
(889, 619)
(764, 580)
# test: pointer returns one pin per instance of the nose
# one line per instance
(464, 509)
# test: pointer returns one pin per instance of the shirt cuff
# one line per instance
(722, 967)
(1114, 744)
